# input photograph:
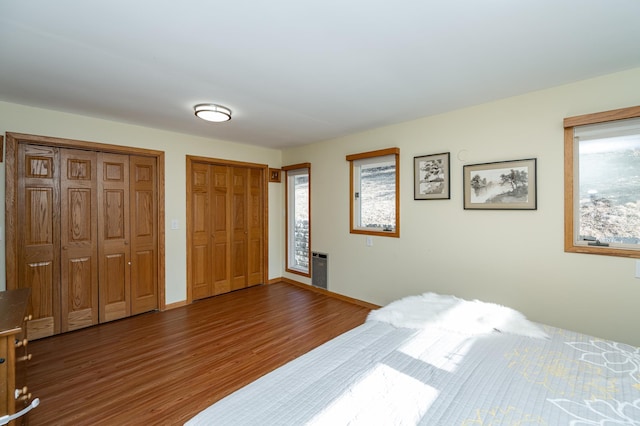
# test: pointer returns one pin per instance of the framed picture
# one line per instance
(504, 185)
(274, 175)
(431, 177)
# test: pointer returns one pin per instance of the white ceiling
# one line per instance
(296, 71)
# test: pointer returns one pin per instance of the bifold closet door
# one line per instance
(220, 223)
(57, 248)
(38, 235)
(247, 227)
(78, 239)
(239, 232)
(113, 236)
(201, 237)
(83, 233)
(143, 196)
(128, 235)
(226, 228)
(255, 228)
(210, 220)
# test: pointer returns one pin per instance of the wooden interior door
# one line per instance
(210, 193)
(226, 229)
(144, 233)
(37, 236)
(220, 228)
(239, 228)
(114, 249)
(77, 215)
(78, 239)
(201, 236)
(255, 228)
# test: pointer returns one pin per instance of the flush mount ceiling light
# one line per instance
(212, 112)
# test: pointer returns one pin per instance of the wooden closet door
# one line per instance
(220, 227)
(201, 235)
(38, 235)
(210, 230)
(239, 228)
(78, 239)
(226, 228)
(255, 228)
(144, 234)
(113, 236)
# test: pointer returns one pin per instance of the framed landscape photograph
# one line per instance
(431, 177)
(504, 185)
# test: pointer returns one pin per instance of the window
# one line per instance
(602, 183)
(375, 193)
(298, 189)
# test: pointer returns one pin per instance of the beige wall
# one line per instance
(21, 119)
(515, 258)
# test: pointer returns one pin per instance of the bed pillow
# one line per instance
(457, 315)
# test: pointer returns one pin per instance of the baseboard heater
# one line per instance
(319, 269)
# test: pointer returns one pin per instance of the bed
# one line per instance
(438, 360)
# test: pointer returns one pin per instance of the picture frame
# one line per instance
(432, 177)
(274, 175)
(501, 185)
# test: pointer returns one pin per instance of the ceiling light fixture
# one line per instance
(212, 112)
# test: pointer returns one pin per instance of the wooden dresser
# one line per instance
(14, 394)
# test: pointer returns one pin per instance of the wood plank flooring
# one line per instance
(162, 368)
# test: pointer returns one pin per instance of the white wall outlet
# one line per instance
(369, 241)
(175, 224)
(637, 268)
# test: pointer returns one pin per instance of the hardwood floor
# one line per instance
(165, 367)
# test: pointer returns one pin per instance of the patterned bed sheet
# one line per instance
(378, 374)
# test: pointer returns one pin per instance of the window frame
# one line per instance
(395, 152)
(569, 180)
(288, 230)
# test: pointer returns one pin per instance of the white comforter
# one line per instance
(380, 374)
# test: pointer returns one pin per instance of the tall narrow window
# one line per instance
(602, 183)
(298, 190)
(375, 192)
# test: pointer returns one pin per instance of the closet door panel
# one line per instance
(38, 233)
(255, 228)
(231, 198)
(239, 228)
(114, 286)
(114, 248)
(221, 223)
(77, 219)
(78, 239)
(80, 307)
(200, 268)
(144, 232)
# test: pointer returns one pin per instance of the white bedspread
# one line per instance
(379, 374)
